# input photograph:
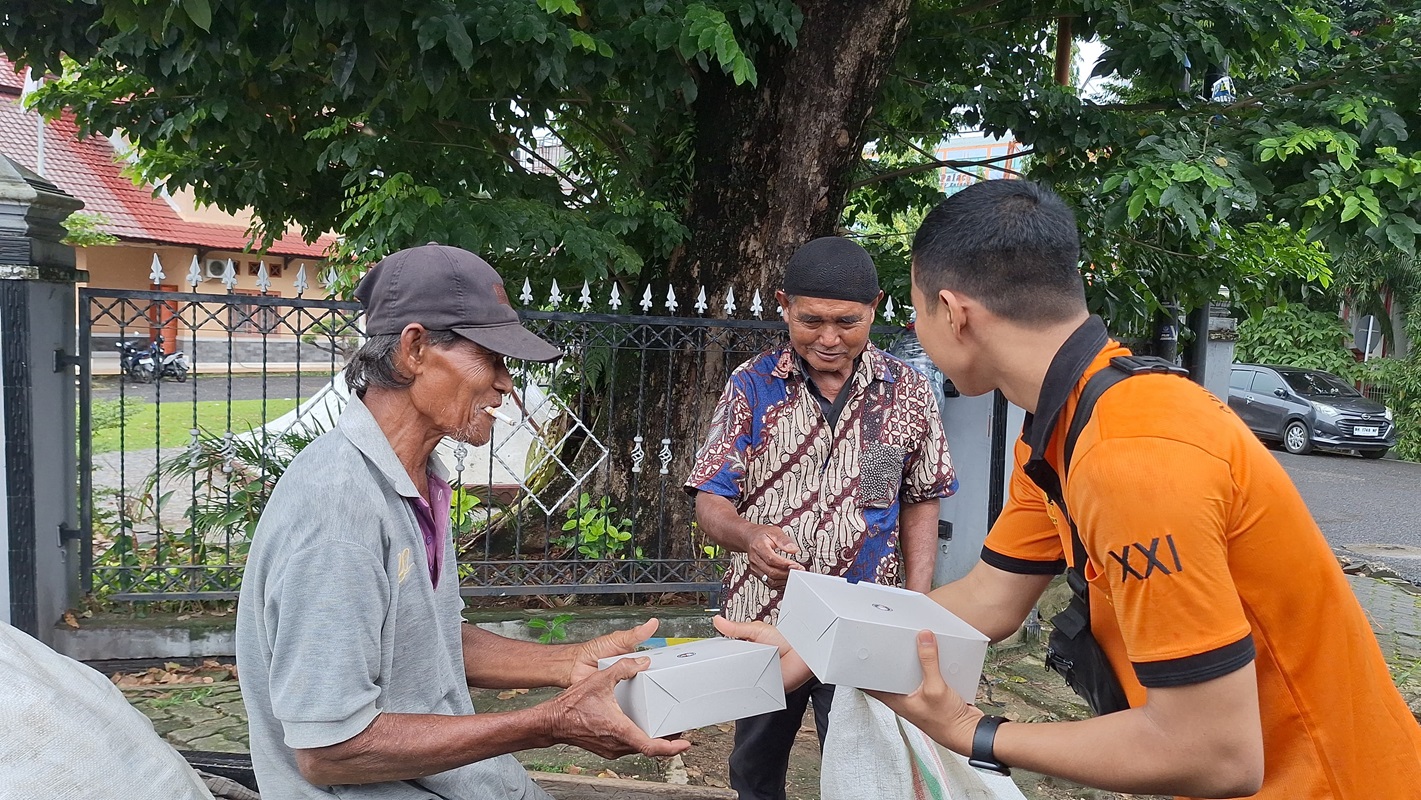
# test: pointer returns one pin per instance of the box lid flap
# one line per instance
(717, 707)
(815, 627)
(716, 666)
(887, 605)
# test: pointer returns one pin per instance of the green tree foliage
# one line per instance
(86, 229)
(707, 139)
(399, 123)
(1179, 194)
(1367, 275)
(1296, 336)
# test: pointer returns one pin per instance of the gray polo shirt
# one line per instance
(338, 621)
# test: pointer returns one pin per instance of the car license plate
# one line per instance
(1368, 431)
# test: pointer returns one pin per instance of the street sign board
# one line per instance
(1368, 336)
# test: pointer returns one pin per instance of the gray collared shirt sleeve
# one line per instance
(325, 608)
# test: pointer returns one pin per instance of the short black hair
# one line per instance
(1011, 245)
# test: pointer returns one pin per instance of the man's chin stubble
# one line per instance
(472, 438)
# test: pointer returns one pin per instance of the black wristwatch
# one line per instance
(983, 739)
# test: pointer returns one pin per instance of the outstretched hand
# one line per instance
(586, 655)
(795, 672)
(935, 708)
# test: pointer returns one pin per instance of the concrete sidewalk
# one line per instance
(200, 708)
(1394, 609)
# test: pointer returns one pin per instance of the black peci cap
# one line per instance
(832, 267)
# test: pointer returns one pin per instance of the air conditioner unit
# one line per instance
(216, 268)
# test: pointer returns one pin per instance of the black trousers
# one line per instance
(760, 761)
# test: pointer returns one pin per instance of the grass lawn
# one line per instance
(142, 426)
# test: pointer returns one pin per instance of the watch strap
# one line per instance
(984, 739)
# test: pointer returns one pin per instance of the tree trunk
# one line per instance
(774, 161)
(773, 166)
(1063, 51)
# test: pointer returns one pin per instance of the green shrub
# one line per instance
(553, 630)
(1299, 337)
(595, 533)
(1400, 380)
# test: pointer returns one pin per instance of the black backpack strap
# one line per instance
(1094, 388)
(1123, 367)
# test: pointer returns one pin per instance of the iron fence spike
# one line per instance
(194, 273)
(229, 275)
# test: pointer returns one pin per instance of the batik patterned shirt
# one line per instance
(837, 491)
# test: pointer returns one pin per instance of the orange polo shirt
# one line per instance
(1203, 557)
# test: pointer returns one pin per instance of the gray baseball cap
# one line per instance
(447, 289)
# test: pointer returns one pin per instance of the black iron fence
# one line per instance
(174, 469)
(578, 493)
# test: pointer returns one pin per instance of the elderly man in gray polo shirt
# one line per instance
(354, 661)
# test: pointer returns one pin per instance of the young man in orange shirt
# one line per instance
(1246, 662)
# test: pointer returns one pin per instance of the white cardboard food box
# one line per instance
(701, 683)
(865, 636)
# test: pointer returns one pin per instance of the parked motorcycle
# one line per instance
(171, 365)
(137, 363)
(147, 364)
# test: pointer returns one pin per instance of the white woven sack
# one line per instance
(67, 733)
(871, 753)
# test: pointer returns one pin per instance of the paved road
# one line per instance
(1370, 508)
(211, 387)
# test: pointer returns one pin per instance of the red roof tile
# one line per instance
(92, 171)
(10, 76)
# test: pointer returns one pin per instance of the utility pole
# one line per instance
(30, 86)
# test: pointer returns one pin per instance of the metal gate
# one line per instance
(581, 495)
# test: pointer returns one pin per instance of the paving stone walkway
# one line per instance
(196, 716)
(1394, 609)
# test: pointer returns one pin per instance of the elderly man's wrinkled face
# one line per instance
(455, 385)
(828, 334)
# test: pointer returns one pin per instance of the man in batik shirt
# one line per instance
(827, 455)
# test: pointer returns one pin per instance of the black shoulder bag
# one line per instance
(1072, 649)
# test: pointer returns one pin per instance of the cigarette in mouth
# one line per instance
(499, 415)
